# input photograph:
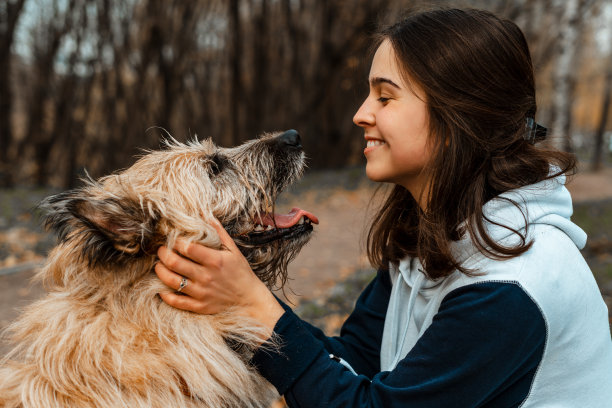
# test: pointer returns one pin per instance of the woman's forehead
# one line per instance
(386, 69)
(384, 65)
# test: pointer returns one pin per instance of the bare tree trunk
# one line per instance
(596, 161)
(66, 103)
(46, 46)
(563, 76)
(236, 70)
(294, 40)
(8, 22)
(257, 94)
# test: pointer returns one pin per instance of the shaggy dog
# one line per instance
(102, 337)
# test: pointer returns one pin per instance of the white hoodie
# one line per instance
(576, 366)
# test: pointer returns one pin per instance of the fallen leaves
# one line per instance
(19, 245)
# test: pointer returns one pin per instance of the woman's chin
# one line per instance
(375, 174)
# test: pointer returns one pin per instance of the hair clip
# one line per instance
(534, 132)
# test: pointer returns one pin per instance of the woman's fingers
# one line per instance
(196, 252)
(193, 297)
(177, 264)
(175, 281)
(184, 302)
(201, 254)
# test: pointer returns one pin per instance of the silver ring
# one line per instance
(184, 283)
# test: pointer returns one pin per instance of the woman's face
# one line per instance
(395, 120)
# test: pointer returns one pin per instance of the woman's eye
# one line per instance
(383, 99)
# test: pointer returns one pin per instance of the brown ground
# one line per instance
(334, 253)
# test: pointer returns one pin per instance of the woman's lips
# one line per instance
(372, 144)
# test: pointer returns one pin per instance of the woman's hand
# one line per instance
(216, 281)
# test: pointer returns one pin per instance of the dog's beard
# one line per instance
(270, 262)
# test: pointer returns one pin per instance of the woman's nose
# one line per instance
(364, 116)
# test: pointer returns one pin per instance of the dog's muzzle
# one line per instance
(291, 138)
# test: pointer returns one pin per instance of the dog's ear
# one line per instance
(112, 229)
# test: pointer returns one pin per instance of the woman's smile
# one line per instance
(372, 144)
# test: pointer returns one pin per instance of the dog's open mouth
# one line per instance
(272, 227)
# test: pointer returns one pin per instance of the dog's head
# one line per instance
(125, 217)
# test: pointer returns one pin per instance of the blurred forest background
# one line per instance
(86, 84)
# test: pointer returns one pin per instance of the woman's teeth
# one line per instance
(372, 143)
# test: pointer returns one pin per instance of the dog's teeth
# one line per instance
(259, 228)
(269, 228)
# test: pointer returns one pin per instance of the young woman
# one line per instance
(482, 298)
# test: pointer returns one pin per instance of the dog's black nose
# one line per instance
(290, 138)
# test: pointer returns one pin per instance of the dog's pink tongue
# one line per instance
(288, 220)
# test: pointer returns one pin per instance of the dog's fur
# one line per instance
(102, 337)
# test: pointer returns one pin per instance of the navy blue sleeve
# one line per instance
(361, 334)
(482, 350)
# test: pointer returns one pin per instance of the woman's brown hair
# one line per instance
(476, 73)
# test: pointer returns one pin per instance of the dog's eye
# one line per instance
(217, 163)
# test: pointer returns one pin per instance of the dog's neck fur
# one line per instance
(161, 349)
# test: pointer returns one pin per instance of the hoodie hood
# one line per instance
(547, 202)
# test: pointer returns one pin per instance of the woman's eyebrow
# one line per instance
(377, 81)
